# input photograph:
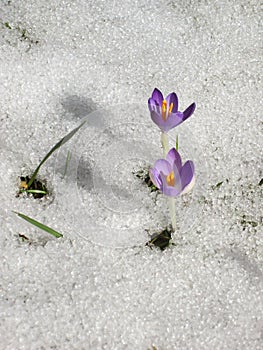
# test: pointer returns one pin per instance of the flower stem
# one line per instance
(164, 141)
(171, 202)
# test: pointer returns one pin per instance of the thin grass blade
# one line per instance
(34, 191)
(39, 225)
(177, 143)
(59, 144)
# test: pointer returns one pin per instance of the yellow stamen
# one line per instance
(164, 110)
(170, 179)
(170, 109)
(164, 107)
(23, 185)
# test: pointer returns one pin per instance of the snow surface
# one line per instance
(99, 287)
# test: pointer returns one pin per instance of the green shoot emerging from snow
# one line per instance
(59, 144)
(39, 225)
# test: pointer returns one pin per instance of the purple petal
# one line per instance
(157, 119)
(165, 125)
(155, 177)
(172, 98)
(169, 190)
(187, 174)
(162, 166)
(189, 187)
(173, 120)
(189, 111)
(157, 96)
(174, 158)
(153, 106)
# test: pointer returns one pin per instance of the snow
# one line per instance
(100, 287)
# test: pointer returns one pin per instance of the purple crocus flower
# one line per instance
(164, 112)
(171, 177)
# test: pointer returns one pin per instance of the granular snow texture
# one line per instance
(100, 287)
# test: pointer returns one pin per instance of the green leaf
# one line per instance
(177, 143)
(39, 225)
(34, 191)
(59, 144)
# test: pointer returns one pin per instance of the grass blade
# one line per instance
(39, 225)
(59, 144)
(33, 191)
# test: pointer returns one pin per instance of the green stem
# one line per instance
(165, 145)
(171, 202)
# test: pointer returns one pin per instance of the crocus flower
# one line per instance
(171, 176)
(164, 112)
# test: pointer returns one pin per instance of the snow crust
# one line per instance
(99, 287)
